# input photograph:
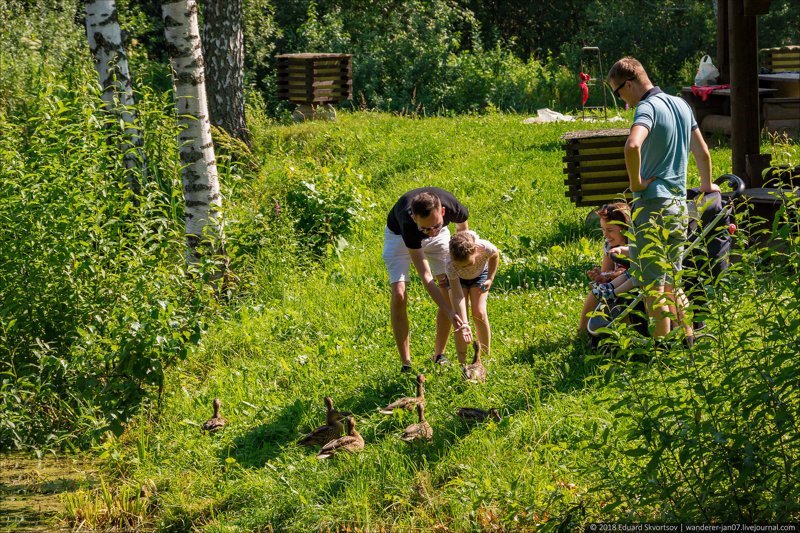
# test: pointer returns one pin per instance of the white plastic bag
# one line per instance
(707, 73)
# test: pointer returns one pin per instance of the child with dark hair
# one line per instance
(470, 269)
(611, 277)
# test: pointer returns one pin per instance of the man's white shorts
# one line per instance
(397, 258)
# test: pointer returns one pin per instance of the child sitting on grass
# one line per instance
(470, 269)
(611, 278)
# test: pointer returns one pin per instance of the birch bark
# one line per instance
(111, 61)
(223, 51)
(200, 178)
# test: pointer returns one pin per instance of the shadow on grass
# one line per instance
(529, 276)
(563, 364)
(266, 441)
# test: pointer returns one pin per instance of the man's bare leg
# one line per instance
(399, 314)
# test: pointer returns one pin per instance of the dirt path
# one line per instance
(30, 490)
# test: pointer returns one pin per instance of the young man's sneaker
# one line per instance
(697, 326)
(604, 291)
(405, 369)
(440, 359)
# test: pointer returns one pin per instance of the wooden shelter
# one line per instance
(737, 60)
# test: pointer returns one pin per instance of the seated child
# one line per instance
(470, 269)
(611, 277)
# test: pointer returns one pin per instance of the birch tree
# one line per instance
(111, 61)
(199, 175)
(223, 51)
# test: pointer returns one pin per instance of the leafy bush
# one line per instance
(498, 79)
(95, 299)
(712, 433)
(325, 205)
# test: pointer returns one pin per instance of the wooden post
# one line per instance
(745, 124)
(723, 55)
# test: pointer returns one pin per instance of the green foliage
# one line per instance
(95, 300)
(497, 79)
(712, 433)
(325, 206)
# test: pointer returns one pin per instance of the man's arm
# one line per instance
(633, 158)
(462, 226)
(699, 149)
(424, 271)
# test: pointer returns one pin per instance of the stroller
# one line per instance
(707, 254)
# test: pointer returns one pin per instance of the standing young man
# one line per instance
(416, 232)
(664, 131)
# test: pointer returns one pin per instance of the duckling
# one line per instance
(216, 422)
(332, 429)
(419, 431)
(351, 443)
(473, 414)
(475, 372)
(409, 402)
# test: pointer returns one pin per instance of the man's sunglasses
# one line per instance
(431, 228)
(621, 85)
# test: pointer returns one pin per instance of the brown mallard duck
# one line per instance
(216, 422)
(473, 414)
(332, 429)
(419, 431)
(475, 372)
(350, 443)
(409, 402)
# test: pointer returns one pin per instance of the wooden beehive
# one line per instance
(781, 59)
(595, 166)
(314, 79)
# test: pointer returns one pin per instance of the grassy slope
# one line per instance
(321, 332)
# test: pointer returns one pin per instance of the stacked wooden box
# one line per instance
(314, 79)
(595, 166)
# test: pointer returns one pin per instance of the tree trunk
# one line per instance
(223, 50)
(105, 43)
(200, 179)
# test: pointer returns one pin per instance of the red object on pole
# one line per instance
(584, 87)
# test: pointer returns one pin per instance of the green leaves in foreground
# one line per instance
(94, 300)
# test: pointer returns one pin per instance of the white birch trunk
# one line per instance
(200, 178)
(111, 61)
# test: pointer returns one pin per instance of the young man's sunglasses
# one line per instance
(621, 85)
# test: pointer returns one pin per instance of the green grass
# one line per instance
(311, 330)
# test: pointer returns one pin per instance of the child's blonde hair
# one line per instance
(462, 245)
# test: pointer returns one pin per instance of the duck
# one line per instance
(475, 372)
(409, 402)
(419, 431)
(473, 414)
(350, 443)
(331, 430)
(216, 422)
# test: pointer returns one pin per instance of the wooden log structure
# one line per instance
(781, 59)
(315, 79)
(595, 166)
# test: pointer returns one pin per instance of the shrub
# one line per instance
(712, 433)
(95, 300)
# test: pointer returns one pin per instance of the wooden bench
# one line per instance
(782, 115)
(595, 166)
(780, 68)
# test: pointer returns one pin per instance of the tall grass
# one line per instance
(567, 450)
